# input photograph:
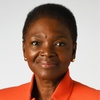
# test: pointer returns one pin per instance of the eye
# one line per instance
(36, 43)
(60, 44)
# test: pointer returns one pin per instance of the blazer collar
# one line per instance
(64, 89)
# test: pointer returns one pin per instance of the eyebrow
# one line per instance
(37, 35)
(61, 36)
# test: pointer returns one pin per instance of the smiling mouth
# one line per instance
(48, 65)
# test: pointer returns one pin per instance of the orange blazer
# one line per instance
(66, 90)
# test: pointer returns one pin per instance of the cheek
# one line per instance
(65, 56)
(31, 55)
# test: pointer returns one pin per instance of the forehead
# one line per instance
(48, 26)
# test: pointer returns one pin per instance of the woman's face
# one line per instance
(48, 48)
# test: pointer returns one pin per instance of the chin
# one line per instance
(50, 76)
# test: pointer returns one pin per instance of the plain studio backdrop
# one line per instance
(14, 70)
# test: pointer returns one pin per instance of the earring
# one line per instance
(73, 60)
(25, 59)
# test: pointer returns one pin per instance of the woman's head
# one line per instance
(49, 40)
(53, 11)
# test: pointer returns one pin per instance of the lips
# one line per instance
(48, 65)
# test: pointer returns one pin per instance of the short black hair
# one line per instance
(55, 11)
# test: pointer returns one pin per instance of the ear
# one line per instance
(74, 52)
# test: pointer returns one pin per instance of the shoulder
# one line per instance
(13, 92)
(85, 92)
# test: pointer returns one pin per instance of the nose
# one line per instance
(48, 51)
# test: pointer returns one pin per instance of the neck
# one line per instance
(45, 88)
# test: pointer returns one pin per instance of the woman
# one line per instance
(49, 46)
